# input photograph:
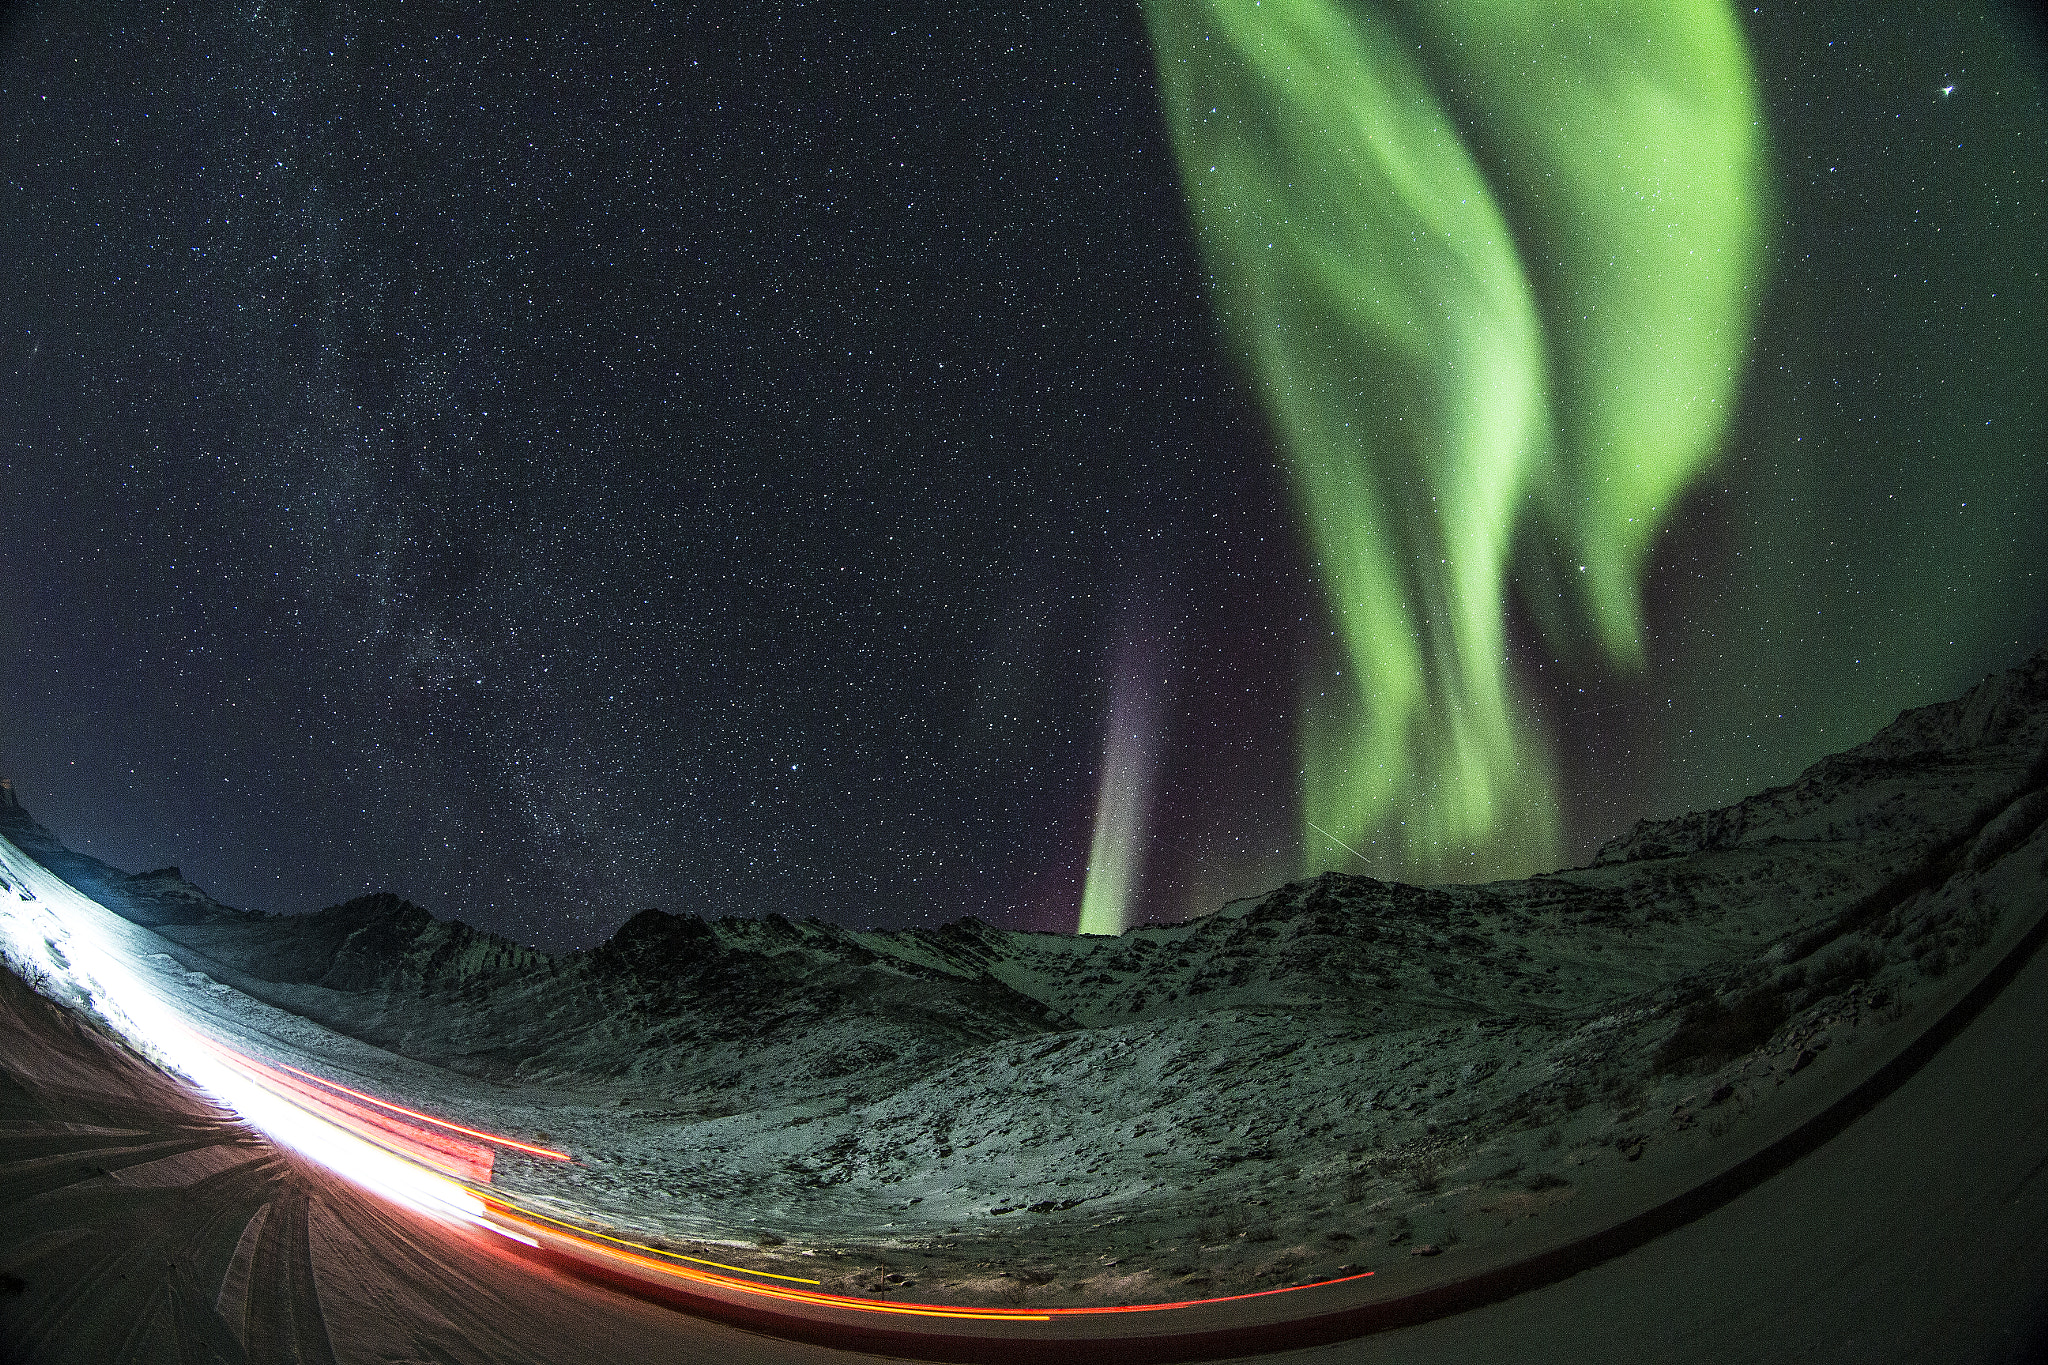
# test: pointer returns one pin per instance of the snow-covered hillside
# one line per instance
(1342, 1072)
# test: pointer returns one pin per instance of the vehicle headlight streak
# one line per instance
(77, 946)
(73, 943)
(494, 1139)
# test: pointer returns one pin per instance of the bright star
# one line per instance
(1947, 90)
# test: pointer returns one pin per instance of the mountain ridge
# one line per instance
(1337, 941)
(2000, 711)
(1426, 1056)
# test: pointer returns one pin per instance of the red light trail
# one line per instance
(617, 1258)
(496, 1139)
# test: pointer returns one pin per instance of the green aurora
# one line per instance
(1493, 267)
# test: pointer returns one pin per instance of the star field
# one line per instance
(549, 465)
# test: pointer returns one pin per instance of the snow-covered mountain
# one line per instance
(162, 896)
(1337, 1072)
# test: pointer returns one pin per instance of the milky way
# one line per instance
(549, 465)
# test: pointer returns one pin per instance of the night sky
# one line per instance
(552, 464)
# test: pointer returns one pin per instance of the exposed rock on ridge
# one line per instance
(1419, 1055)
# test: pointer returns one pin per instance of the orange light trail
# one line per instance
(310, 1115)
(591, 1242)
(642, 1246)
(469, 1162)
(1197, 1303)
(496, 1138)
(773, 1291)
(580, 1238)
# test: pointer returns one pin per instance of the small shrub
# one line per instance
(1844, 967)
(1711, 1034)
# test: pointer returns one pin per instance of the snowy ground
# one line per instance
(1343, 1074)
